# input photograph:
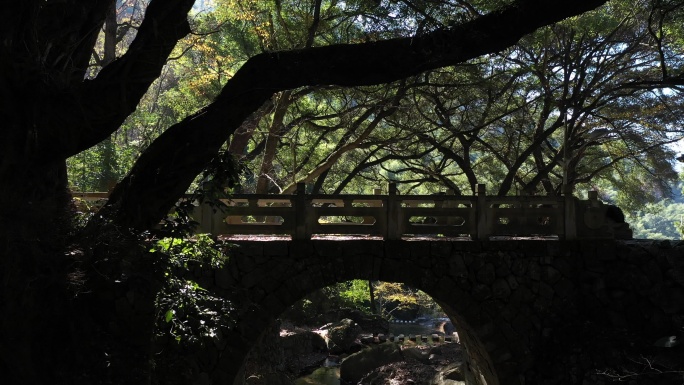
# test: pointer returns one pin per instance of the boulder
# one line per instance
(450, 375)
(304, 351)
(357, 365)
(342, 336)
(304, 342)
(369, 323)
(420, 355)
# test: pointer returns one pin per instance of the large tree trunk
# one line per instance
(73, 309)
(80, 310)
(34, 229)
(71, 313)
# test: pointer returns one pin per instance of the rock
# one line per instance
(369, 323)
(269, 379)
(304, 342)
(420, 355)
(304, 351)
(356, 366)
(342, 336)
(450, 375)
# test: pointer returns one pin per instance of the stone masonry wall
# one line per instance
(526, 311)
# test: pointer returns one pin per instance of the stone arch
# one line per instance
(263, 280)
(523, 308)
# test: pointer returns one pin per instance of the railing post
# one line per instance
(393, 215)
(593, 198)
(300, 211)
(483, 225)
(569, 213)
(449, 204)
(206, 218)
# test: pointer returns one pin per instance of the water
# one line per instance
(325, 375)
(328, 374)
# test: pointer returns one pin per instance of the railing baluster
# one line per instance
(300, 211)
(393, 215)
(483, 221)
(569, 213)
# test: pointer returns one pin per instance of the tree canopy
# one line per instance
(520, 94)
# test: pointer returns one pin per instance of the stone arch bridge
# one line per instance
(527, 311)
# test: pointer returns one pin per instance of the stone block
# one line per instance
(501, 355)
(565, 267)
(419, 249)
(473, 247)
(550, 275)
(272, 301)
(463, 283)
(245, 263)
(251, 279)
(469, 258)
(521, 325)
(546, 291)
(223, 279)
(486, 274)
(302, 249)
(564, 288)
(521, 296)
(500, 289)
(271, 282)
(248, 248)
(518, 267)
(503, 269)
(512, 282)
(481, 292)
(397, 250)
(440, 249)
(276, 249)
(670, 300)
(605, 250)
(534, 271)
(328, 249)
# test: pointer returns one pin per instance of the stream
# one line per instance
(329, 373)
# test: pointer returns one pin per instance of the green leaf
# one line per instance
(169, 316)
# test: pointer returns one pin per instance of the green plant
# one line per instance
(186, 311)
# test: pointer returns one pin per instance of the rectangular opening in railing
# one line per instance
(437, 215)
(352, 214)
(525, 215)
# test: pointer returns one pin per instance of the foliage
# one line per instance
(355, 294)
(496, 120)
(393, 297)
(201, 249)
(662, 220)
(186, 311)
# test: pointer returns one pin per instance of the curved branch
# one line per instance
(96, 108)
(169, 165)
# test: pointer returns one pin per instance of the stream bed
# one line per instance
(329, 372)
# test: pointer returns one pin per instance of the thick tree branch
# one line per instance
(96, 108)
(169, 165)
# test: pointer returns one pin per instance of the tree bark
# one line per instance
(65, 313)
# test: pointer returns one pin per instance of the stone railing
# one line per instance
(394, 216)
